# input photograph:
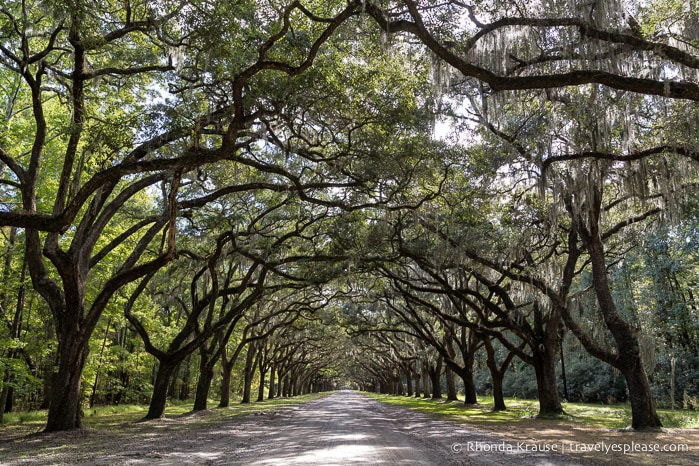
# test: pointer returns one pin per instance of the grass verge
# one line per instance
(595, 415)
(579, 433)
(112, 417)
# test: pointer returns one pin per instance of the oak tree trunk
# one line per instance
(417, 383)
(226, 371)
(451, 384)
(248, 373)
(272, 388)
(643, 412)
(470, 395)
(161, 384)
(629, 360)
(261, 388)
(544, 362)
(65, 409)
(206, 376)
(408, 380)
(425, 380)
(435, 372)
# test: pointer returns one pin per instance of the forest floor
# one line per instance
(342, 429)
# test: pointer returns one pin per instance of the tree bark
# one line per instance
(408, 379)
(417, 381)
(261, 388)
(628, 358)
(248, 373)
(226, 374)
(161, 384)
(425, 380)
(544, 362)
(272, 388)
(497, 374)
(435, 372)
(451, 384)
(65, 411)
(284, 387)
(498, 396)
(470, 395)
(643, 411)
(206, 376)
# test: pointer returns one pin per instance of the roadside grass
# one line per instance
(518, 411)
(115, 417)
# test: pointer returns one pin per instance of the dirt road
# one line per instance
(350, 429)
(341, 429)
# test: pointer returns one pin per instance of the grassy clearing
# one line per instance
(114, 417)
(602, 416)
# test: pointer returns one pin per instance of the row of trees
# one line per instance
(208, 176)
(558, 191)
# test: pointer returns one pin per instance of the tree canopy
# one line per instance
(377, 193)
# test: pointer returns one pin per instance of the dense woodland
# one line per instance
(238, 200)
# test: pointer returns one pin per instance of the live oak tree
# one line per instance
(131, 128)
(483, 305)
(511, 47)
(423, 310)
(602, 178)
(202, 317)
(101, 152)
(63, 149)
(641, 47)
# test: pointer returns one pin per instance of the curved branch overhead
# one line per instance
(577, 50)
(379, 193)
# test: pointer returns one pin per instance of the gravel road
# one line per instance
(344, 428)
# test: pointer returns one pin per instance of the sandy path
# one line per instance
(341, 429)
(350, 429)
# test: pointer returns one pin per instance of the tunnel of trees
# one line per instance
(254, 199)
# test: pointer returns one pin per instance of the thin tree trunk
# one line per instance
(563, 370)
(425, 380)
(417, 382)
(497, 374)
(173, 380)
(186, 377)
(261, 388)
(272, 388)
(15, 327)
(280, 385)
(99, 364)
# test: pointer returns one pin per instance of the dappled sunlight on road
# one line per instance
(345, 428)
(341, 429)
(341, 454)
